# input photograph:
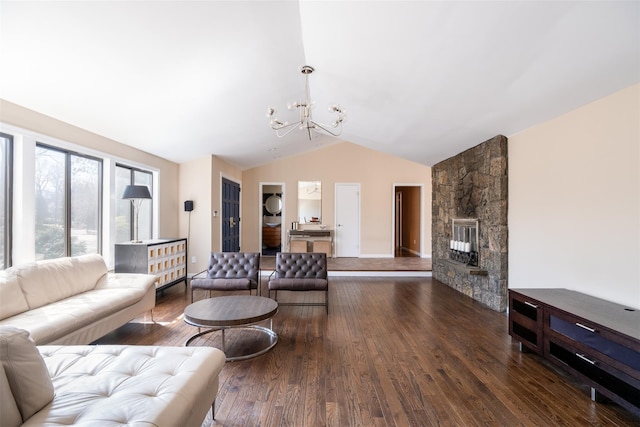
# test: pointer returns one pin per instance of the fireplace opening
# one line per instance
(463, 246)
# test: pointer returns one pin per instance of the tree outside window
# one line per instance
(68, 203)
(126, 175)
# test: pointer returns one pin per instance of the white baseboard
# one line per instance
(337, 273)
(376, 256)
(393, 256)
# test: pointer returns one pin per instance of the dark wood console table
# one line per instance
(596, 340)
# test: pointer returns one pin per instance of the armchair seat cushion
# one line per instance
(223, 284)
(292, 284)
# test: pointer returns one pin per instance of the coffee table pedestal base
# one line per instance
(273, 340)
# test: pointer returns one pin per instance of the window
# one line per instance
(6, 174)
(68, 203)
(126, 175)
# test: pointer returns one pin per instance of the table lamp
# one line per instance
(136, 193)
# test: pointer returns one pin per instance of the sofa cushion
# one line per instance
(114, 385)
(9, 413)
(52, 321)
(49, 281)
(26, 371)
(12, 299)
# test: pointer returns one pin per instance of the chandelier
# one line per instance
(306, 121)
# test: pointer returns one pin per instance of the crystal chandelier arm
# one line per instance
(325, 128)
(279, 126)
(287, 129)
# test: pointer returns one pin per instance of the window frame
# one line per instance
(67, 195)
(23, 239)
(8, 200)
(132, 175)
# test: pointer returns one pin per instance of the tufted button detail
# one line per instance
(125, 385)
(301, 266)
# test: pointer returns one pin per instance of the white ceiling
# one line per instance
(422, 80)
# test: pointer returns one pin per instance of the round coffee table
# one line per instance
(236, 311)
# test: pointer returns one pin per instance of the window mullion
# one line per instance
(67, 204)
(131, 210)
(7, 190)
(100, 230)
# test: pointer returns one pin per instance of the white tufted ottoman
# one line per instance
(130, 385)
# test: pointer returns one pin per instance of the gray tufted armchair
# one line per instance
(229, 271)
(300, 272)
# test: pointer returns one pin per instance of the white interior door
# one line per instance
(347, 229)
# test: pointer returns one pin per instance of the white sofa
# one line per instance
(105, 385)
(72, 300)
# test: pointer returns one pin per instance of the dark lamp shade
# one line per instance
(136, 192)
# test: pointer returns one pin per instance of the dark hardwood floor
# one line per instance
(391, 352)
(336, 265)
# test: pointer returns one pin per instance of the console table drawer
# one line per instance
(615, 385)
(602, 343)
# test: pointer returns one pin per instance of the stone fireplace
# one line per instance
(470, 190)
(463, 247)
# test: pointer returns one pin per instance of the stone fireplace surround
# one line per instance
(473, 184)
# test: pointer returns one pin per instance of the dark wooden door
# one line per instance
(230, 216)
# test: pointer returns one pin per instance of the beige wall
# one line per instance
(341, 163)
(574, 201)
(168, 203)
(200, 181)
(574, 194)
(196, 185)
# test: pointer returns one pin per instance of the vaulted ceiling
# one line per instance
(422, 80)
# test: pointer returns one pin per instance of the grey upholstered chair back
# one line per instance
(306, 265)
(233, 265)
(229, 271)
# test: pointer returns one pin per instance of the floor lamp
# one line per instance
(136, 193)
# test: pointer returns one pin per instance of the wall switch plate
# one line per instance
(193, 260)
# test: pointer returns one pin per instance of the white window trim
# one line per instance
(24, 148)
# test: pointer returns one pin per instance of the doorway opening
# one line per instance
(271, 215)
(407, 221)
